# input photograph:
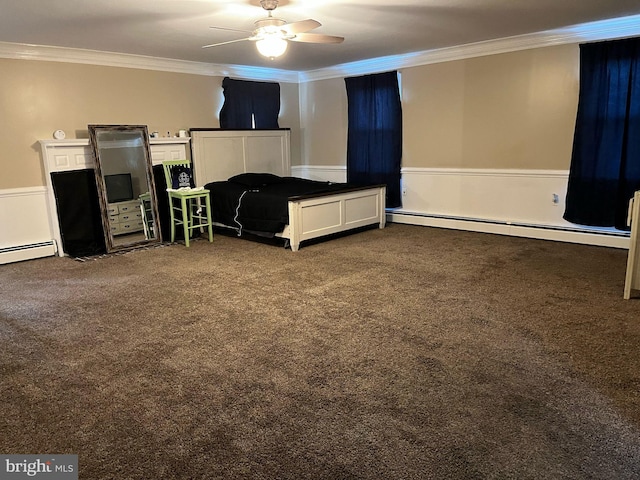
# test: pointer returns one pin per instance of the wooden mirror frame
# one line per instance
(95, 132)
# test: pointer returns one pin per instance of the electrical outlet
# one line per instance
(555, 199)
(404, 192)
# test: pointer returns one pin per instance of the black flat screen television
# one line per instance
(119, 187)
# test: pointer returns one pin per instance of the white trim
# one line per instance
(512, 196)
(514, 202)
(47, 53)
(27, 252)
(332, 173)
(577, 235)
(586, 32)
(325, 167)
(491, 172)
(25, 233)
(472, 172)
(22, 192)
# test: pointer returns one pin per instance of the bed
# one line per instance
(293, 208)
(248, 175)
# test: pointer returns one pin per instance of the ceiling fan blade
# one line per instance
(301, 26)
(225, 43)
(316, 38)
(231, 29)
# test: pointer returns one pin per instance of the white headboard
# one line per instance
(219, 154)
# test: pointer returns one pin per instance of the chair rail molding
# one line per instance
(517, 202)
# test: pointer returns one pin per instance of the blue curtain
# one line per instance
(605, 164)
(245, 99)
(374, 139)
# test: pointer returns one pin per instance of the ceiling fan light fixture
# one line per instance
(272, 35)
(272, 46)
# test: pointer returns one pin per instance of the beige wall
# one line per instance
(290, 118)
(323, 121)
(514, 110)
(36, 98)
(511, 111)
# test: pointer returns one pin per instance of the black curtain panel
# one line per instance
(163, 202)
(374, 139)
(79, 212)
(266, 104)
(237, 109)
(605, 164)
(246, 102)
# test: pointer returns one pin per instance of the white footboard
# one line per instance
(317, 216)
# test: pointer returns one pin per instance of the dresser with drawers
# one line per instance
(125, 217)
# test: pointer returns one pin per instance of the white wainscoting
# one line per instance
(320, 173)
(25, 232)
(523, 203)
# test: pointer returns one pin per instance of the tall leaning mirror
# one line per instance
(126, 190)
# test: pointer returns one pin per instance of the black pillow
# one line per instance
(256, 179)
(181, 177)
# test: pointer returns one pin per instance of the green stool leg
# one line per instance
(209, 222)
(173, 219)
(185, 220)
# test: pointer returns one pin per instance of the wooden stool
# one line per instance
(189, 207)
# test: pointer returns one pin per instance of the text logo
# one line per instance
(46, 467)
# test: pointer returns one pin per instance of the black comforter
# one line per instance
(259, 202)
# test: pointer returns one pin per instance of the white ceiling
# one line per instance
(177, 29)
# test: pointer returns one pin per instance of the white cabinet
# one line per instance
(220, 154)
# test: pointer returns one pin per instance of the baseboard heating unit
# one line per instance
(27, 252)
(584, 235)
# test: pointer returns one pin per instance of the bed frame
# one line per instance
(219, 154)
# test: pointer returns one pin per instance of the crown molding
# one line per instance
(22, 51)
(587, 32)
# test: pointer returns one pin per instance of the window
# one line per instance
(605, 164)
(250, 105)
(374, 139)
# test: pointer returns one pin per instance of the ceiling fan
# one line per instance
(272, 34)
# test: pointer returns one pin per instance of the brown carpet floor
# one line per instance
(403, 353)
